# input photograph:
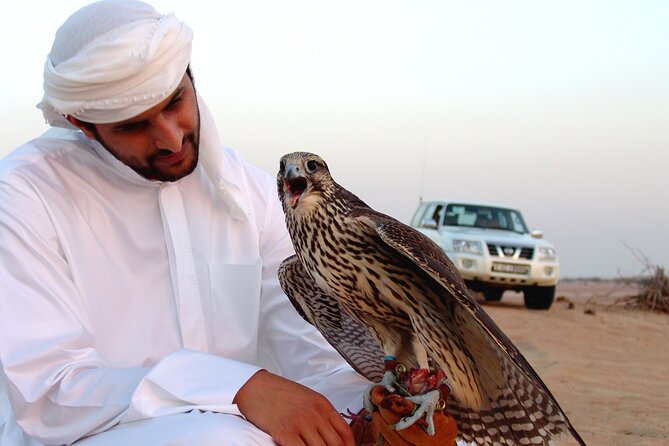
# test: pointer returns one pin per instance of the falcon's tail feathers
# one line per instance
(523, 414)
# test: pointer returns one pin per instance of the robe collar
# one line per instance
(226, 180)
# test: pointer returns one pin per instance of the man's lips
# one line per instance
(173, 157)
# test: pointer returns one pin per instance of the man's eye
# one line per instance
(174, 103)
(129, 128)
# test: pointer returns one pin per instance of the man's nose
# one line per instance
(167, 134)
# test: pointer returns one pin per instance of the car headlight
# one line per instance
(470, 246)
(546, 253)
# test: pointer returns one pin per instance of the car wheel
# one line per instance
(539, 297)
(493, 294)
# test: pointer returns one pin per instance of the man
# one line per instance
(140, 302)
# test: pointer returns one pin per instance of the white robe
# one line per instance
(124, 300)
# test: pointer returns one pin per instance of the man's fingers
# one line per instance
(343, 430)
(315, 438)
(293, 440)
(330, 436)
(292, 414)
(329, 429)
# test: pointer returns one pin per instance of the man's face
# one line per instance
(163, 142)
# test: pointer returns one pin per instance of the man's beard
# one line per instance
(151, 171)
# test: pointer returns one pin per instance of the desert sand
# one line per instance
(607, 366)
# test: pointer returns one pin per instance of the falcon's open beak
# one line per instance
(294, 184)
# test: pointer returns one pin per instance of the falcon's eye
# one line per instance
(311, 166)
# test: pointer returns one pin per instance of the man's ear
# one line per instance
(83, 126)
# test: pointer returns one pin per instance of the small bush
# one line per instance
(653, 284)
(655, 290)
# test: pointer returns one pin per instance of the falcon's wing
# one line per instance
(527, 393)
(427, 255)
(352, 340)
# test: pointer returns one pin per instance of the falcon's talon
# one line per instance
(388, 381)
(426, 405)
(367, 399)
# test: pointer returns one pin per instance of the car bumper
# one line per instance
(506, 272)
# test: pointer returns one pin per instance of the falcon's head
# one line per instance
(303, 180)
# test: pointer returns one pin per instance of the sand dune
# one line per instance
(608, 367)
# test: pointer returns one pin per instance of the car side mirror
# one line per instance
(429, 223)
(537, 233)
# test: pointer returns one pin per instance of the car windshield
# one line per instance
(489, 217)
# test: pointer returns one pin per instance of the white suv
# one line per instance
(493, 249)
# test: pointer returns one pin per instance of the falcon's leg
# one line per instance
(388, 381)
(426, 405)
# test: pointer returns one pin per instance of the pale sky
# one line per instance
(558, 108)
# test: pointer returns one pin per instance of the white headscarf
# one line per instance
(115, 59)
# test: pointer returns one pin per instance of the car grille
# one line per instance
(510, 251)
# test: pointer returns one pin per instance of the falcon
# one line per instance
(376, 288)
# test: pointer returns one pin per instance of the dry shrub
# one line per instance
(654, 287)
(655, 291)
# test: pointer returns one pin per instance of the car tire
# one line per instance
(539, 297)
(493, 294)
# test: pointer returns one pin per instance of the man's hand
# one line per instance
(292, 414)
